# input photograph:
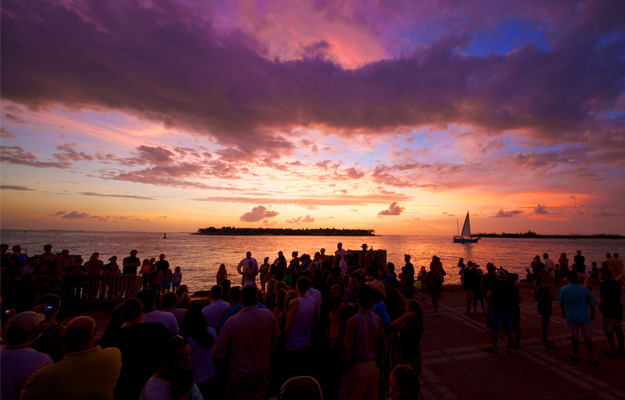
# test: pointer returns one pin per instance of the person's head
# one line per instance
(133, 253)
(161, 257)
(113, 259)
(184, 300)
(616, 255)
(545, 255)
(563, 255)
(47, 248)
(195, 327)
(606, 274)
(248, 254)
(131, 309)
(608, 255)
(178, 269)
(235, 294)
(182, 289)
(280, 297)
(294, 254)
(4, 248)
(414, 306)
(404, 383)
(490, 267)
(407, 257)
(148, 298)
(354, 282)
(146, 261)
(501, 274)
(572, 276)
(322, 251)
(265, 260)
(79, 333)
(303, 284)
(249, 295)
(390, 267)
(365, 297)
(23, 328)
(175, 354)
(579, 252)
(169, 300)
(17, 249)
(336, 293)
(216, 292)
(339, 245)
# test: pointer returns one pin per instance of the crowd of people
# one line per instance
(351, 324)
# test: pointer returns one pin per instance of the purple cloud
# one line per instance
(507, 214)
(68, 153)
(393, 209)
(541, 210)
(257, 214)
(17, 155)
(306, 219)
(76, 215)
(6, 134)
(122, 196)
(553, 94)
(13, 187)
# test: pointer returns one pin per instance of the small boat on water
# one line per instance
(465, 236)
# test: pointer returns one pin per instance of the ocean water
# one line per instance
(199, 256)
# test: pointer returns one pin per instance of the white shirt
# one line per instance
(550, 267)
(213, 312)
(166, 318)
(202, 364)
(341, 252)
(157, 389)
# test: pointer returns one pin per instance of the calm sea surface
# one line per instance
(200, 256)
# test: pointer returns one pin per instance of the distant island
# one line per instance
(533, 235)
(232, 231)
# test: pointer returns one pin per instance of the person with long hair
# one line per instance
(435, 282)
(201, 340)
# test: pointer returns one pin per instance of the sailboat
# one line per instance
(465, 236)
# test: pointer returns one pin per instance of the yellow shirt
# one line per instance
(90, 374)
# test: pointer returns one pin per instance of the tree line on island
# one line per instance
(231, 230)
(533, 235)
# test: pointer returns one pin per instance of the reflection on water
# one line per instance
(200, 256)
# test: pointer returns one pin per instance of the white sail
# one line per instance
(466, 228)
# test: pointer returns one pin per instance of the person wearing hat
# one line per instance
(503, 296)
(18, 360)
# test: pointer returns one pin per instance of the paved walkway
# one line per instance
(455, 365)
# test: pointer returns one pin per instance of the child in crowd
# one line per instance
(176, 278)
(166, 281)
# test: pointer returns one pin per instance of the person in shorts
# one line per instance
(503, 296)
(612, 308)
(578, 307)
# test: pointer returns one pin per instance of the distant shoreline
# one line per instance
(534, 235)
(231, 231)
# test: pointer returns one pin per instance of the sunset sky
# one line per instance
(398, 116)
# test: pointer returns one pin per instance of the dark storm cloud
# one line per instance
(164, 61)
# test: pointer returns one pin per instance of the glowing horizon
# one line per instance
(174, 116)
